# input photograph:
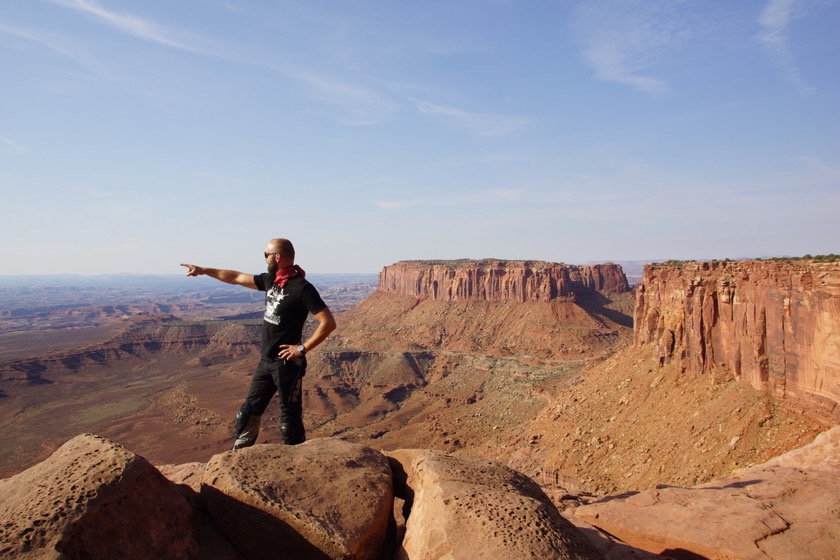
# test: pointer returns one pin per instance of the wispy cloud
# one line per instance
(233, 7)
(622, 39)
(360, 102)
(480, 124)
(130, 24)
(7, 145)
(775, 20)
(820, 170)
(363, 105)
(59, 45)
(40, 38)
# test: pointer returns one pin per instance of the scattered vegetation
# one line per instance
(471, 262)
(669, 264)
(831, 257)
(673, 263)
(442, 262)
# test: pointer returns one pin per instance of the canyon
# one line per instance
(533, 365)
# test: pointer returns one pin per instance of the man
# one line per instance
(289, 299)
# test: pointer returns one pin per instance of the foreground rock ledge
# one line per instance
(93, 498)
(332, 499)
(325, 498)
(473, 509)
(787, 508)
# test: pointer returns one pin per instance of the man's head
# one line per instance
(279, 253)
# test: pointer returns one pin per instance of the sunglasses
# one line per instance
(266, 254)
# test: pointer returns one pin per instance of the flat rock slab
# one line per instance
(472, 509)
(325, 498)
(785, 509)
(93, 498)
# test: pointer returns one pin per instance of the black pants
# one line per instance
(277, 376)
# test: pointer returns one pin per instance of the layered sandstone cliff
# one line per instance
(776, 324)
(500, 280)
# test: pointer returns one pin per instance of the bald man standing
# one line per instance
(289, 298)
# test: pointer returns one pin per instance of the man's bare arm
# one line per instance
(326, 325)
(226, 276)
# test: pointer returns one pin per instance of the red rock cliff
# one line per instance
(497, 280)
(776, 324)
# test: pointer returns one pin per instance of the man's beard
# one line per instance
(273, 266)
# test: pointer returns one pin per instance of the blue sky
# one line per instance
(138, 135)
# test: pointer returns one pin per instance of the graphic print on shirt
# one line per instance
(273, 300)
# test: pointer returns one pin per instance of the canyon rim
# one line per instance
(534, 365)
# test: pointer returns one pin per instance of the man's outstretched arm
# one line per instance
(226, 276)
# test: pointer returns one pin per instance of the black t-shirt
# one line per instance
(286, 309)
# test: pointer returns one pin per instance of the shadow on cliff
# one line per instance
(596, 303)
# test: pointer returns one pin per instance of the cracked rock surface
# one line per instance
(785, 509)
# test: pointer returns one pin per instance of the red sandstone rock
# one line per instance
(776, 324)
(496, 280)
(212, 543)
(472, 509)
(93, 499)
(325, 498)
(187, 474)
(785, 509)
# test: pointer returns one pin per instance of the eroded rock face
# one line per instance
(497, 280)
(93, 499)
(785, 509)
(325, 498)
(776, 324)
(471, 509)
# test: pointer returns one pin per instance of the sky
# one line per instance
(138, 135)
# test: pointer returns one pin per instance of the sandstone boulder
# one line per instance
(471, 509)
(325, 498)
(785, 509)
(188, 475)
(93, 499)
(212, 543)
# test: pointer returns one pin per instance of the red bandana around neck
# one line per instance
(284, 274)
